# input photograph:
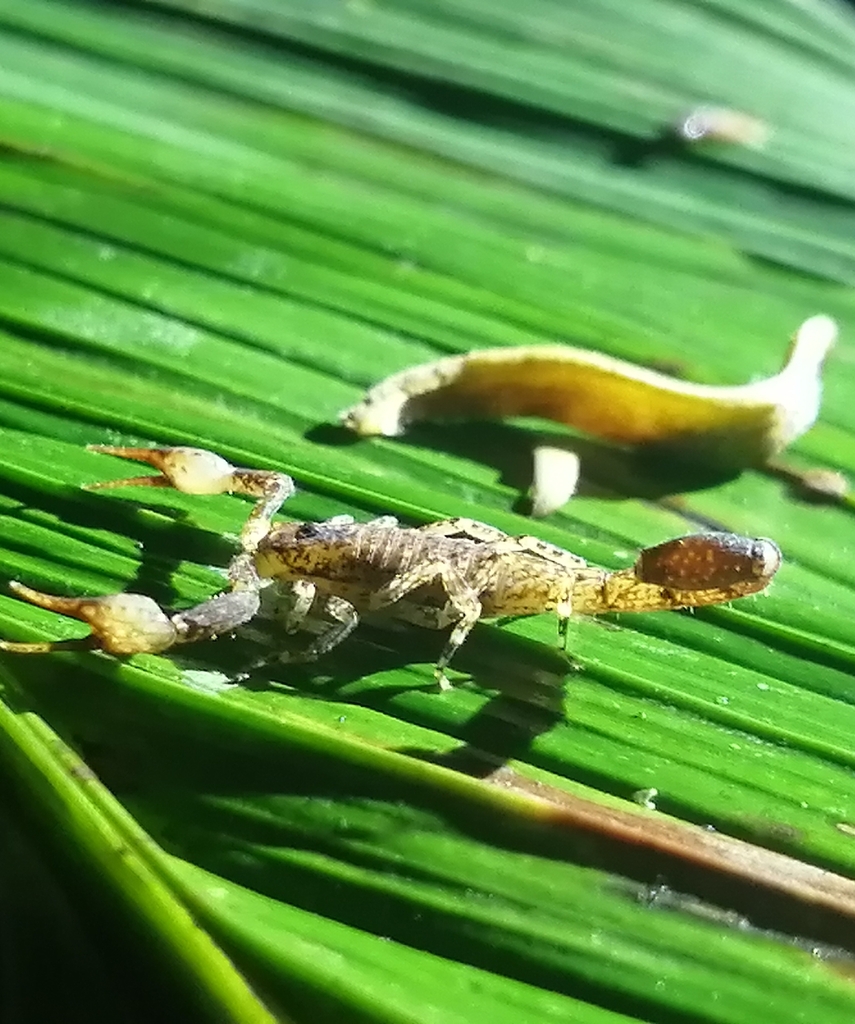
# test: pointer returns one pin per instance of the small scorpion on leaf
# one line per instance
(445, 574)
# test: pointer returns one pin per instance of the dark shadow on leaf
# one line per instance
(274, 813)
(608, 471)
(331, 434)
(637, 152)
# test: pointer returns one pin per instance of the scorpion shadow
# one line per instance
(525, 680)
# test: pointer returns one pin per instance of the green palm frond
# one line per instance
(219, 223)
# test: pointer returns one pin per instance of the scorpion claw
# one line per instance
(191, 470)
(121, 623)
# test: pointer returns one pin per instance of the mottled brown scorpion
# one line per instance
(445, 574)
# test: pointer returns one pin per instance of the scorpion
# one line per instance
(444, 574)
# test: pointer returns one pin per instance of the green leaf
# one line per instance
(219, 223)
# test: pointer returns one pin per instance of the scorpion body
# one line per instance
(446, 574)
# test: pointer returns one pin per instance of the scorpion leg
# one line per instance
(302, 597)
(463, 604)
(502, 544)
(293, 610)
(574, 565)
(345, 620)
(196, 471)
(287, 604)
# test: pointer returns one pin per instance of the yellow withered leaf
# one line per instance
(728, 428)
